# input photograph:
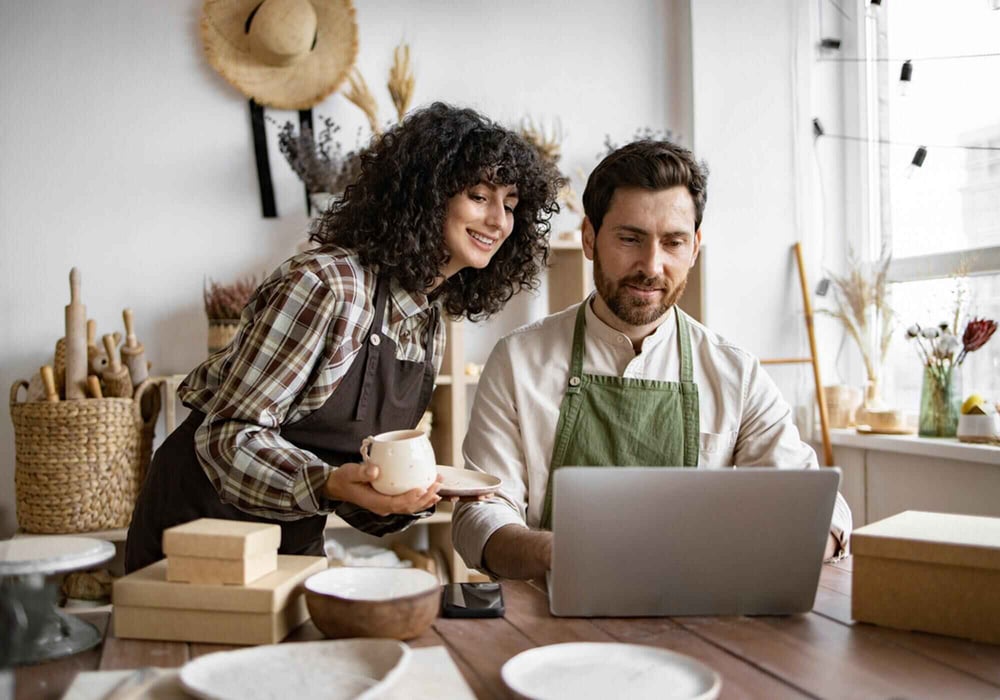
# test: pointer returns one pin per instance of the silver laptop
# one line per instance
(646, 541)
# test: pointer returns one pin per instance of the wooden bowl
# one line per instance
(373, 602)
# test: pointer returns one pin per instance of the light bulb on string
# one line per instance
(905, 77)
(917, 162)
(873, 6)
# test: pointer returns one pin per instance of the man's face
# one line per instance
(643, 252)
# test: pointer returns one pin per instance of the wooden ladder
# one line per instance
(824, 420)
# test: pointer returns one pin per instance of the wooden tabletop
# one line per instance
(820, 654)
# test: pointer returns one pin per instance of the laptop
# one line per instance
(650, 541)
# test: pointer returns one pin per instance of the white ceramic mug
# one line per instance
(405, 459)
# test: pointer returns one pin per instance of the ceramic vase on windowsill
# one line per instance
(940, 401)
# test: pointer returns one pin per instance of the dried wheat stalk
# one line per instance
(362, 97)
(864, 290)
(401, 80)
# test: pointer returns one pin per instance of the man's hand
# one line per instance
(351, 482)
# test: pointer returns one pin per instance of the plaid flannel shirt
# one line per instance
(298, 336)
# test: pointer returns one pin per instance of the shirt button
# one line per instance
(376, 339)
(620, 339)
(574, 381)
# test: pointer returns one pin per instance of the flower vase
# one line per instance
(940, 402)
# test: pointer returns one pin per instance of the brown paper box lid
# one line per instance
(938, 538)
(149, 588)
(221, 539)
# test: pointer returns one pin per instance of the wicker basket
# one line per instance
(80, 464)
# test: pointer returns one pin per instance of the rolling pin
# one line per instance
(59, 364)
(94, 387)
(133, 354)
(51, 395)
(97, 358)
(116, 379)
(76, 341)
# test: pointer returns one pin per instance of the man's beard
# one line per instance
(631, 309)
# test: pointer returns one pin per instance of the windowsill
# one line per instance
(942, 448)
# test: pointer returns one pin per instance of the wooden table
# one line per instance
(820, 654)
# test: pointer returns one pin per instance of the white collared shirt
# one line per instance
(744, 421)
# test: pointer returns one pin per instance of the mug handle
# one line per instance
(366, 448)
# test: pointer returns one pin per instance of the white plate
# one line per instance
(599, 670)
(466, 482)
(356, 669)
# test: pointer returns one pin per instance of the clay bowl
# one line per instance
(373, 602)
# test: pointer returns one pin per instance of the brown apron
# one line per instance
(379, 393)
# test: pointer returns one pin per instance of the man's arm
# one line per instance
(493, 445)
(769, 438)
(514, 551)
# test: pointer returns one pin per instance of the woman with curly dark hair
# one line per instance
(449, 211)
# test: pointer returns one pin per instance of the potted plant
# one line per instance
(223, 305)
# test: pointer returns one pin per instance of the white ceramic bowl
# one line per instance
(979, 428)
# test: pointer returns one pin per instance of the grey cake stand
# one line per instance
(36, 629)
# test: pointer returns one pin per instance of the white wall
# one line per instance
(125, 155)
(756, 88)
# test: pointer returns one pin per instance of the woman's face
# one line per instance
(476, 224)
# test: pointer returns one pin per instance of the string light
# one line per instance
(917, 162)
(905, 76)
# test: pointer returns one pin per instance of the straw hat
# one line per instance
(288, 54)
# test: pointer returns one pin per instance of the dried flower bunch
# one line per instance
(548, 143)
(322, 164)
(642, 134)
(862, 306)
(225, 302)
(939, 346)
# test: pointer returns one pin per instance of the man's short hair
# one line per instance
(650, 165)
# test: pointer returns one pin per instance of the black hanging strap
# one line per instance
(263, 164)
(306, 119)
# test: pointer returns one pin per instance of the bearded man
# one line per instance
(624, 378)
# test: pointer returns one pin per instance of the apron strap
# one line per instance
(576, 358)
(684, 338)
(689, 390)
(372, 342)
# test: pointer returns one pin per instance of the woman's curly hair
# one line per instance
(393, 214)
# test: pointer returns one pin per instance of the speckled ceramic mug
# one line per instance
(405, 459)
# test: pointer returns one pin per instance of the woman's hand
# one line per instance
(351, 482)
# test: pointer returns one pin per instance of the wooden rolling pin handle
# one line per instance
(74, 286)
(114, 362)
(130, 340)
(94, 387)
(76, 341)
(49, 381)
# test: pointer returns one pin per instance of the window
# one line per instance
(943, 218)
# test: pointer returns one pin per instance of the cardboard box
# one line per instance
(147, 606)
(232, 571)
(221, 539)
(933, 572)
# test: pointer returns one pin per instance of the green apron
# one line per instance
(620, 421)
